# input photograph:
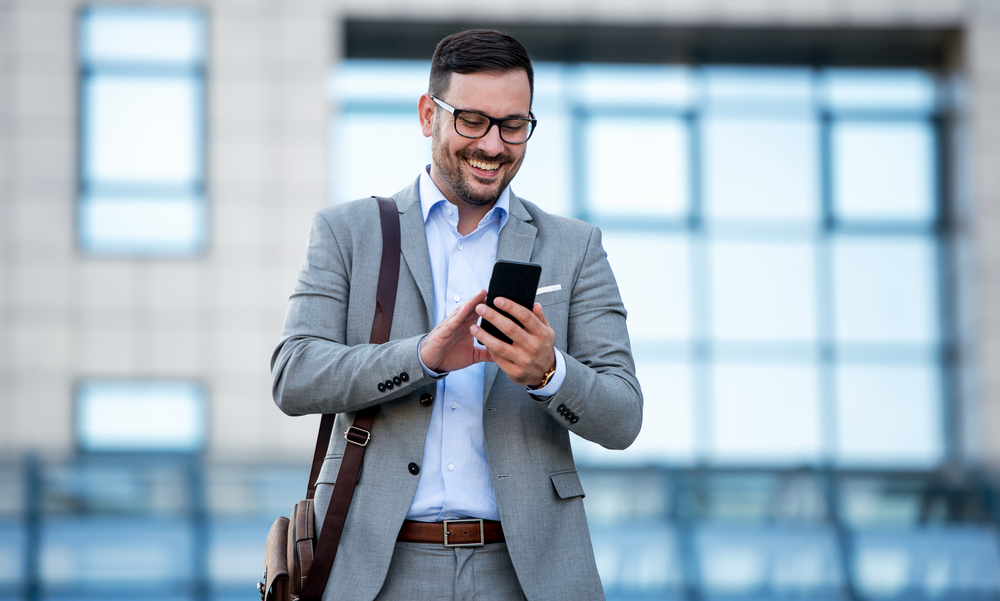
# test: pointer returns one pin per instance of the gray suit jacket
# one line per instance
(325, 364)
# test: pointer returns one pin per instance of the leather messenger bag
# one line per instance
(296, 564)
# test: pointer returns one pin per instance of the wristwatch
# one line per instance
(545, 379)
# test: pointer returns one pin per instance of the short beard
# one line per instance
(451, 170)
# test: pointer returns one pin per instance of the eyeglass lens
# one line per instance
(472, 125)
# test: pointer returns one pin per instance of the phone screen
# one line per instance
(512, 280)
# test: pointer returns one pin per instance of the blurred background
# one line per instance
(801, 202)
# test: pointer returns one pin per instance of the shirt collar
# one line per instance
(431, 196)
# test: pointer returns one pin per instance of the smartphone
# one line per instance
(515, 281)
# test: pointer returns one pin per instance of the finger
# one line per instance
(501, 321)
(537, 310)
(517, 311)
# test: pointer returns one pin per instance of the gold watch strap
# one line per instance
(545, 379)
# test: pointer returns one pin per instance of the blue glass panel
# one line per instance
(668, 431)
(765, 413)
(136, 34)
(363, 163)
(889, 415)
(763, 291)
(142, 130)
(143, 226)
(115, 550)
(379, 81)
(779, 561)
(939, 562)
(638, 559)
(880, 89)
(628, 176)
(235, 551)
(636, 85)
(658, 301)
(749, 89)
(757, 168)
(885, 290)
(12, 553)
(545, 174)
(884, 170)
(140, 416)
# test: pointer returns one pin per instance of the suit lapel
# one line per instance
(517, 239)
(413, 244)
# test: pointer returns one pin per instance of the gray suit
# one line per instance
(324, 364)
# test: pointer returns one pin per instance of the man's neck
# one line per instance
(469, 215)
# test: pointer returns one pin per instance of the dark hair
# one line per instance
(478, 51)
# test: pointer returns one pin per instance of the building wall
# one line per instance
(65, 316)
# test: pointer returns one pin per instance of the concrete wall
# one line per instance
(64, 316)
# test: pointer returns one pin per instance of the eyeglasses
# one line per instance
(470, 124)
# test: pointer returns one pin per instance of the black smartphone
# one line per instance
(515, 281)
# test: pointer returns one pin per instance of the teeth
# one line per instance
(484, 166)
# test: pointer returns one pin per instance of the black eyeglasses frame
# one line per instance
(493, 121)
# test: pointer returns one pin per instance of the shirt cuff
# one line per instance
(428, 371)
(555, 382)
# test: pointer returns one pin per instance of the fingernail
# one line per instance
(480, 309)
(498, 302)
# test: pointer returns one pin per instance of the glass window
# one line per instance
(764, 413)
(889, 415)
(763, 291)
(884, 170)
(772, 232)
(628, 176)
(161, 416)
(885, 289)
(761, 168)
(142, 131)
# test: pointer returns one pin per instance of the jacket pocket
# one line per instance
(567, 484)
(328, 473)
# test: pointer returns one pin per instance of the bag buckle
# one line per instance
(360, 436)
(482, 533)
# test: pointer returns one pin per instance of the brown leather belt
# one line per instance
(452, 533)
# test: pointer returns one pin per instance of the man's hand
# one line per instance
(532, 349)
(450, 346)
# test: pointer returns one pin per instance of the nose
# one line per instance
(491, 143)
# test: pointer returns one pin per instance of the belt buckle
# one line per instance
(482, 533)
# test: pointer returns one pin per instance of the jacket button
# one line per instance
(575, 419)
(397, 380)
(569, 415)
(387, 384)
(426, 399)
(381, 387)
(562, 408)
(404, 377)
(414, 468)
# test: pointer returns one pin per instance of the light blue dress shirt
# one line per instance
(455, 479)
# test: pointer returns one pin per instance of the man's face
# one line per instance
(475, 172)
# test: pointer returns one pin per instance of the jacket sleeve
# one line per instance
(315, 367)
(600, 399)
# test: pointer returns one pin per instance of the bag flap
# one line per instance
(276, 561)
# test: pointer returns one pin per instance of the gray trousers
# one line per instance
(422, 571)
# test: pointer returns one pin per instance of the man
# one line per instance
(472, 427)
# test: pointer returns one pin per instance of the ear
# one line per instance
(426, 108)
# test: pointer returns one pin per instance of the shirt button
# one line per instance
(457, 298)
(460, 247)
(451, 467)
(454, 405)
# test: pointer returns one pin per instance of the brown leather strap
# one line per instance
(460, 532)
(358, 434)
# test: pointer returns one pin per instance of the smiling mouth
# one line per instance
(483, 166)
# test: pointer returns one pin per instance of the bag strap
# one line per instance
(359, 433)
